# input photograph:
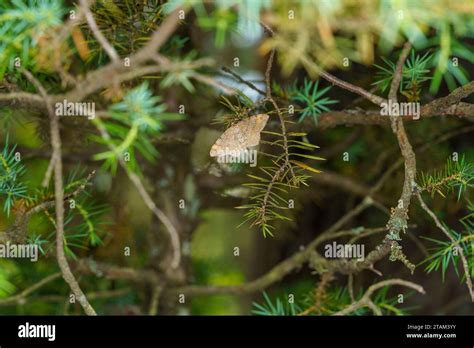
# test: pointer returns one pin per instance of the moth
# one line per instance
(240, 136)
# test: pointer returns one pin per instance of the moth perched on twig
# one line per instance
(240, 136)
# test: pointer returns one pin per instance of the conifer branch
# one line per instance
(59, 199)
(397, 222)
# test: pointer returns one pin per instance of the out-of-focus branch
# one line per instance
(308, 254)
(105, 76)
(96, 31)
(167, 65)
(238, 78)
(22, 100)
(21, 297)
(135, 179)
(366, 301)
(95, 295)
(454, 241)
(319, 293)
(18, 231)
(155, 300)
(48, 174)
(112, 272)
(279, 271)
(345, 183)
(59, 199)
(375, 99)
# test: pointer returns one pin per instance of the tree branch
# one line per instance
(97, 33)
(135, 179)
(452, 99)
(454, 241)
(375, 99)
(397, 221)
(366, 301)
(112, 272)
(21, 297)
(59, 199)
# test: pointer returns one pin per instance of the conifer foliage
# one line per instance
(108, 112)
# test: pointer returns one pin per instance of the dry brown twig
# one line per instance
(135, 179)
(365, 300)
(398, 219)
(108, 48)
(312, 67)
(91, 83)
(59, 198)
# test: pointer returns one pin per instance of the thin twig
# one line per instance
(350, 87)
(90, 295)
(59, 197)
(165, 64)
(17, 232)
(97, 33)
(375, 99)
(453, 240)
(48, 204)
(286, 163)
(135, 179)
(48, 174)
(397, 77)
(365, 300)
(242, 80)
(350, 286)
(20, 297)
(213, 83)
(400, 213)
(155, 299)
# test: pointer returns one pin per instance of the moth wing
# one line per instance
(256, 125)
(229, 140)
(215, 148)
(262, 120)
(240, 136)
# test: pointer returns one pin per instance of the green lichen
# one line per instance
(396, 253)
